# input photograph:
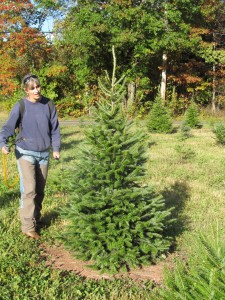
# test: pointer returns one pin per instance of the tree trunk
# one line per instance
(214, 90)
(131, 92)
(163, 80)
(214, 81)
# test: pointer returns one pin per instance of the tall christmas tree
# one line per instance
(113, 219)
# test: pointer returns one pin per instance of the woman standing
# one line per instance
(38, 131)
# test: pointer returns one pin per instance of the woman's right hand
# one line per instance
(5, 150)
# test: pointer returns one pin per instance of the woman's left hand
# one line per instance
(56, 155)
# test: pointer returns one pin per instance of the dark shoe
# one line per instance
(32, 234)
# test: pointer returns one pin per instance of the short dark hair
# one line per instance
(30, 77)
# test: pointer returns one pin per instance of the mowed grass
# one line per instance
(190, 174)
(196, 182)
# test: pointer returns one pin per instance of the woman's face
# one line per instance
(33, 92)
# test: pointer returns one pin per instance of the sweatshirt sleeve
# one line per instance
(55, 131)
(8, 129)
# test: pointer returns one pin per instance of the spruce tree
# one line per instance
(202, 276)
(192, 116)
(113, 219)
(219, 131)
(159, 120)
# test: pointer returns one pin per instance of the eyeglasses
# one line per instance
(29, 78)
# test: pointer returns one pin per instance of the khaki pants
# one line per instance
(33, 175)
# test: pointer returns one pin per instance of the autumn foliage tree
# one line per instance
(152, 38)
(22, 48)
(198, 72)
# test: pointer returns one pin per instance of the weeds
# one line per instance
(184, 151)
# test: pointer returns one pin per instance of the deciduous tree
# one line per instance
(142, 31)
(23, 48)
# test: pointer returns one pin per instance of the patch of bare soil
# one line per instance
(59, 258)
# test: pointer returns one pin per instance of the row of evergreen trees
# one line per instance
(159, 119)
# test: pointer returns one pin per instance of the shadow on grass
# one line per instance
(8, 197)
(151, 144)
(175, 197)
(69, 134)
(47, 219)
(175, 129)
(71, 144)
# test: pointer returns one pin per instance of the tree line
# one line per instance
(174, 48)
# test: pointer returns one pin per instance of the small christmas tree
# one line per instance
(202, 275)
(112, 218)
(159, 120)
(185, 131)
(219, 131)
(192, 116)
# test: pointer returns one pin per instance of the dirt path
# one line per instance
(59, 258)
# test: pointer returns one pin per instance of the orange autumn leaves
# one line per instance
(21, 46)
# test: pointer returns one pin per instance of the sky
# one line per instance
(48, 25)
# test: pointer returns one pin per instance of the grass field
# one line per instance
(190, 174)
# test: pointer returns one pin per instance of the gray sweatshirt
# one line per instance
(39, 128)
